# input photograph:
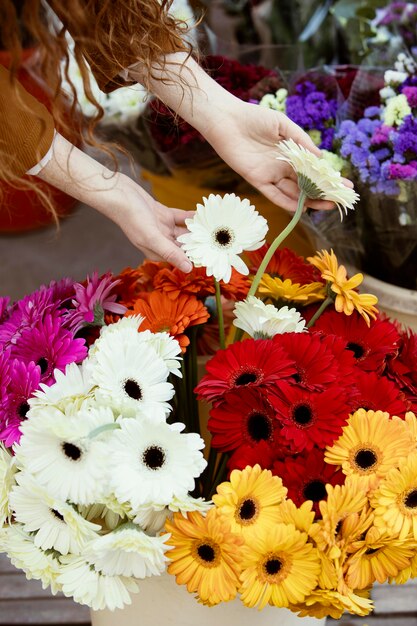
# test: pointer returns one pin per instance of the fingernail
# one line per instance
(186, 267)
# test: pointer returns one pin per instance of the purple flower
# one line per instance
(372, 112)
(368, 126)
(381, 135)
(382, 154)
(403, 172)
(411, 95)
(327, 137)
(13, 409)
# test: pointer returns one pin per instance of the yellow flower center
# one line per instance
(365, 458)
(206, 552)
(274, 568)
(247, 511)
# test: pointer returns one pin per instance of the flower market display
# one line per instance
(306, 491)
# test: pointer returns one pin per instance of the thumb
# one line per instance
(289, 130)
(170, 252)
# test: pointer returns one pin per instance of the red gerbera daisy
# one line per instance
(315, 363)
(310, 418)
(306, 477)
(370, 345)
(285, 264)
(403, 367)
(252, 362)
(260, 454)
(244, 417)
(377, 393)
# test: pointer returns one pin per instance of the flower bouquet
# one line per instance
(307, 494)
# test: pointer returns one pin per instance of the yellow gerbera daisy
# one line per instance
(302, 517)
(206, 556)
(411, 421)
(347, 298)
(395, 499)
(323, 603)
(279, 289)
(377, 557)
(279, 567)
(250, 500)
(371, 444)
(406, 573)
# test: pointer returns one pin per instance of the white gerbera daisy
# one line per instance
(110, 513)
(152, 463)
(81, 581)
(7, 480)
(262, 320)
(24, 555)
(59, 452)
(57, 524)
(222, 228)
(130, 377)
(128, 551)
(152, 518)
(71, 389)
(316, 177)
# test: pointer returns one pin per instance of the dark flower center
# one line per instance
(23, 409)
(71, 451)
(371, 551)
(272, 566)
(43, 364)
(365, 459)
(315, 490)
(57, 514)
(411, 499)
(357, 349)
(246, 378)
(223, 236)
(132, 389)
(297, 377)
(302, 415)
(247, 510)
(338, 527)
(154, 457)
(259, 427)
(206, 552)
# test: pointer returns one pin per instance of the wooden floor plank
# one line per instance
(55, 611)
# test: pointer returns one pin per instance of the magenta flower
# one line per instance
(4, 308)
(25, 313)
(411, 95)
(5, 373)
(91, 300)
(24, 382)
(404, 172)
(49, 345)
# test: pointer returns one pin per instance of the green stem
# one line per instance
(319, 311)
(220, 474)
(220, 315)
(102, 429)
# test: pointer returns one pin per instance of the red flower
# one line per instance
(262, 454)
(371, 346)
(377, 393)
(403, 368)
(253, 362)
(306, 477)
(285, 264)
(244, 417)
(310, 418)
(315, 362)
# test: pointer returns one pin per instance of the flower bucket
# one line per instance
(161, 601)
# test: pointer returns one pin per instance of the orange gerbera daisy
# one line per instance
(173, 282)
(172, 316)
(347, 299)
(134, 280)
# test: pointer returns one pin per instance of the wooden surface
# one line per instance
(25, 602)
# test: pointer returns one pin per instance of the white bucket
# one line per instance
(397, 302)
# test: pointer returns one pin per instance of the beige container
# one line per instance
(161, 602)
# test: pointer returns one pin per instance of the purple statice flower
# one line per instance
(13, 409)
(368, 126)
(51, 346)
(304, 88)
(411, 81)
(370, 169)
(382, 154)
(411, 95)
(405, 145)
(381, 135)
(327, 138)
(294, 108)
(372, 112)
(91, 300)
(345, 129)
(402, 172)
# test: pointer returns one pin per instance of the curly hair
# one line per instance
(109, 35)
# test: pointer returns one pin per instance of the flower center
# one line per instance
(365, 459)
(410, 500)
(57, 514)
(71, 451)
(302, 415)
(153, 457)
(132, 389)
(315, 490)
(247, 377)
(207, 552)
(223, 237)
(371, 551)
(43, 364)
(274, 568)
(247, 512)
(357, 349)
(259, 427)
(23, 409)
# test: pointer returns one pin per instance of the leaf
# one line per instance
(315, 21)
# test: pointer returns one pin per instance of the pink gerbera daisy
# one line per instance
(50, 346)
(25, 313)
(5, 373)
(25, 381)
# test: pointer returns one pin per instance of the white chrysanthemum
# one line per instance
(81, 581)
(222, 228)
(394, 78)
(124, 105)
(262, 320)
(337, 162)
(7, 480)
(130, 377)
(405, 63)
(128, 551)
(316, 177)
(57, 524)
(387, 92)
(152, 463)
(276, 102)
(59, 452)
(396, 109)
(37, 564)
(71, 389)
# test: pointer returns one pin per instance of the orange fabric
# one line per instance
(26, 127)
(174, 192)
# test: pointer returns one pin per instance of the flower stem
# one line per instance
(220, 315)
(319, 311)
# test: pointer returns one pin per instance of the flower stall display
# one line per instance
(305, 494)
